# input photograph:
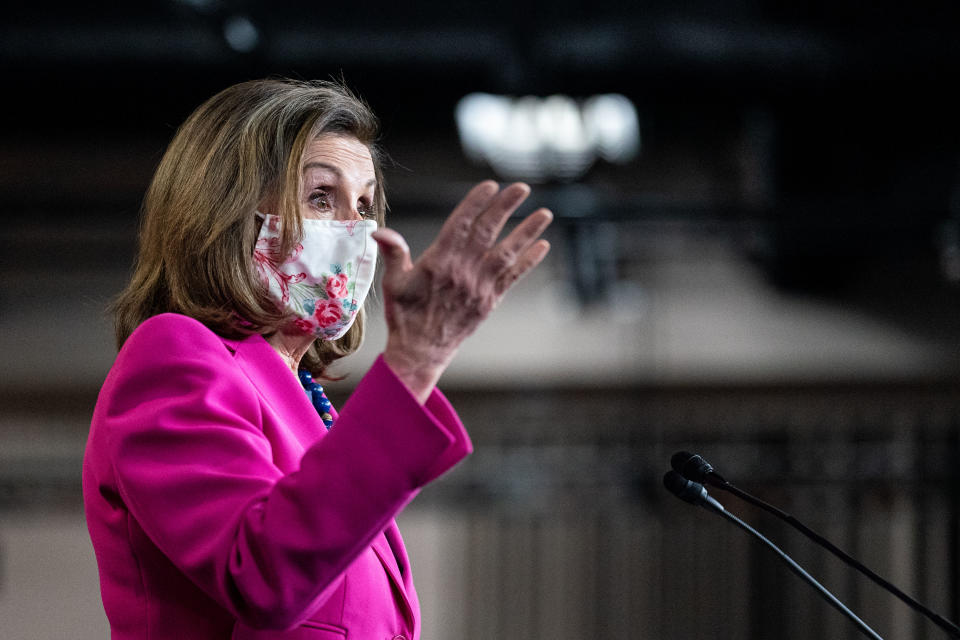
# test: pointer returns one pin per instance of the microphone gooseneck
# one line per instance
(696, 494)
(696, 468)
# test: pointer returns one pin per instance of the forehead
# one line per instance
(343, 152)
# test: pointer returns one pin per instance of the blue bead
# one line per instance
(317, 398)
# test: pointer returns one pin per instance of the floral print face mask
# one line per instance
(324, 281)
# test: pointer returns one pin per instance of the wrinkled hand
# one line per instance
(433, 304)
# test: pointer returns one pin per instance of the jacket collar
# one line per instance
(276, 383)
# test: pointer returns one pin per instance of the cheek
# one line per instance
(309, 213)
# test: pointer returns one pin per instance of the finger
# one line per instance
(458, 226)
(530, 258)
(489, 224)
(505, 254)
(396, 256)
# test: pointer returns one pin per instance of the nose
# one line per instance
(349, 212)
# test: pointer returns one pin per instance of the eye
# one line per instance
(320, 199)
(365, 208)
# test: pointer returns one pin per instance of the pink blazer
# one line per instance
(220, 507)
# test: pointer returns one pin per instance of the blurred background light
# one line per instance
(241, 34)
(547, 139)
(611, 121)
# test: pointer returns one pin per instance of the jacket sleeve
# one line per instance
(195, 470)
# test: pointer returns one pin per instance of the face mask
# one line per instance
(324, 282)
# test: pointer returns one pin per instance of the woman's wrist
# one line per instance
(418, 377)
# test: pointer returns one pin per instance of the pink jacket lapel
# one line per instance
(278, 385)
(401, 580)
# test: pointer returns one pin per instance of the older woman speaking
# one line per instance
(224, 496)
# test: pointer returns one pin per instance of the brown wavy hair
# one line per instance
(198, 221)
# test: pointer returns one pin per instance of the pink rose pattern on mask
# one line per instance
(328, 313)
(302, 326)
(267, 258)
(337, 286)
(328, 304)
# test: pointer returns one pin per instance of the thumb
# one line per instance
(396, 255)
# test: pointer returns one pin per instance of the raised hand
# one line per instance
(433, 304)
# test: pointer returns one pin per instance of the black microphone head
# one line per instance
(691, 492)
(691, 466)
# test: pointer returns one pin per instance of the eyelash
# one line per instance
(365, 209)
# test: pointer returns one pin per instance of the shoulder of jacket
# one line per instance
(174, 333)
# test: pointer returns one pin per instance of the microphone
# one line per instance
(695, 493)
(688, 491)
(695, 468)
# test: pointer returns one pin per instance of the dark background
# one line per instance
(829, 126)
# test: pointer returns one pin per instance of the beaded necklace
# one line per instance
(317, 397)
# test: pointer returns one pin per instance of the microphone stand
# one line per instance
(695, 493)
(806, 577)
(714, 480)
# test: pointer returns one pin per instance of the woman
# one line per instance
(218, 502)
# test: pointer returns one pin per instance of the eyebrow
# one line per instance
(330, 167)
